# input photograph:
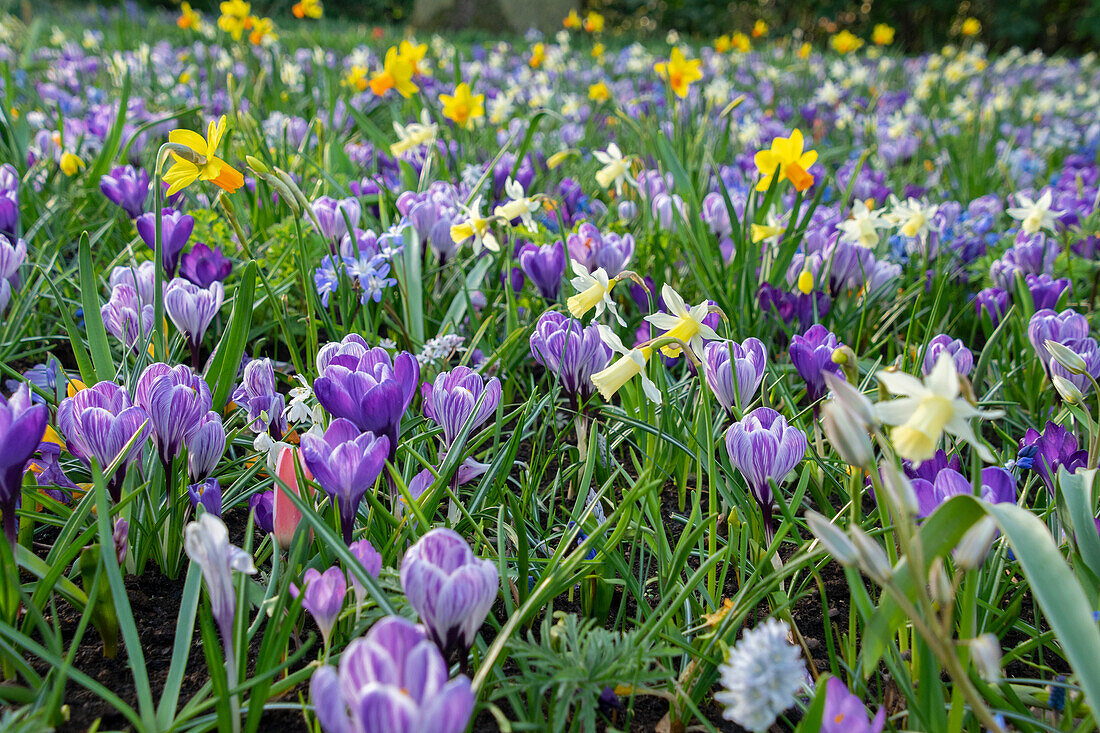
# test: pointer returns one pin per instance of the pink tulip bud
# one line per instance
(287, 516)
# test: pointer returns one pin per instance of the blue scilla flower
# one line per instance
(1025, 460)
(898, 251)
(1058, 693)
(326, 278)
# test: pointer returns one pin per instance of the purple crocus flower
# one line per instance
(12, 257)
(205, 266)
(931, 468)
(324, 597)
(734, 371)
(176, 400)
(346, 463)
(22, 425)
(1054, 448)
(764, 449)
(595, 249)
(208, 493)
(98, 422)
(331, 215)
(569, 351)
(450, 401)
(128, 187)
(192, 308)
(992, 302)
(205, 446)
(363, 551)
(450, 588)
(366, 386)
(1064, 327)
(392, 680)
(258, 394)
(120, 536)
(812, 356)
(175, 231)
(845, 713)
(142, 278)
(545, 267)
(125, 317)
(962, 356)
(1046, 291)
(998, 485)
(262, 505)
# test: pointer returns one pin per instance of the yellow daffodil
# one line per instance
(845, 42)
(599, 92)
(477, 226)
(356, 78)
(759, 29)
(679, 72)
(722, 43)
(396, 73)
(538, 55)
(593, 22)
(741, 43)
(715, 618)
(518, 206)
(804, 51)
(971, 27)
(463, 107)
(632, 364)
(769, 232)
(787, 156)
(615, 168)
(926, 410)
(307, 9)
(593, 291)
(262, 29)
(682, 323)
(202, 163)
(413, 54)
(189, 19)
(598, 51)
(414, 135)
(882, 35)
(572, 21)
(70, 164)
(234, 17)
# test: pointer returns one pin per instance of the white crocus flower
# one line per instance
(912, 217)
(862, 228)
(615, 168)
(1035, 215)
(593, 291)
(632, 364)
(519, 206)
(682, 323)
(928, 409)
(476, 226)
(414, 135)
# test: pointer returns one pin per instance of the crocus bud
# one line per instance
(324, 597)
(832, 538)
(450, 588)
(872, 558)
(263, 506)
(120, 536)
(205, 446)
(286, 516)
(208, 493)
(368, 557)
(1069, 359)
(985, 650)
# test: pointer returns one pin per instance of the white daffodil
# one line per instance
(927, 409)
(615, 168)
(1036, 215)
(682, 323)
(862, 228)
(414, 135)
(519, 206)
(476, 226)
(593, 291)
(912, 217)
(632, 364)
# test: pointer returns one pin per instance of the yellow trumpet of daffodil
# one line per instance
(204, 164)
(759, 29)
(189, 19)
(413, 54)
(538, 55)
(571, 21)
(971, 27)
(787, 156)
(679, 72)
(396, 73)
(741, 43)
(599, 92)
(463, 107)
(261, 29)
(234, 17)
(593, 22)
(882, 35)
(307, 9)
(845, 42)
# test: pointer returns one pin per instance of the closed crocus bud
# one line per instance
(141, 278)
(346, 464)
(628, 210)
(259, 395)
(192, 308)
(175, 231)
(392, 680)
(125, 317)
(262, 506)
(453, 400)
(364, 552)
(205, 446)
(120, 539)
(450, 588)
(208, 493)
(734, 371)
(22, 425)
(832, 538)
(324, 597)
(333, 216)
(128, 187)
(285, 515)
(570, 351)
(962, 356)
(176, 400)
(764, 448)
(985, 650)
(545, 267)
